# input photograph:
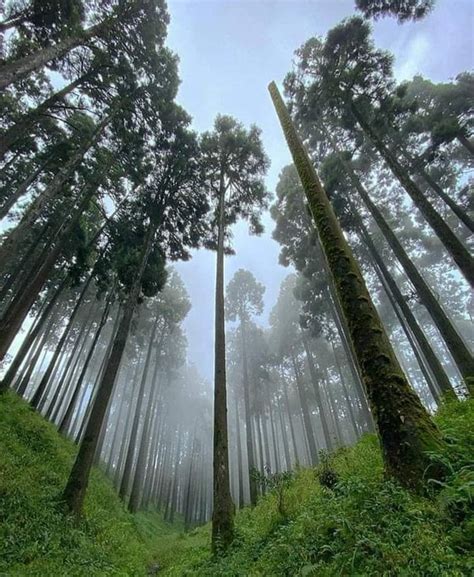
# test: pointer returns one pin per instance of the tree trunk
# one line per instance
(407, 433)
(59, 347)
(442, 379)
(23, 125)
(29, 340)
(223, 511)
(76, 487)
(133, 441)
(138, 477)
(9, 247)
(248, 420)
(466, 143)
(65, 421)
(317, 392)
(240, 476)
(453, 245)
(19, 308)
(17, 70)
(313, 451)
(458, 210)
(22, 189)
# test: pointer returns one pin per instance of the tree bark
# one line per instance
(223, 510)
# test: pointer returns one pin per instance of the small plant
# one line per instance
(276, 482)
(326, 474)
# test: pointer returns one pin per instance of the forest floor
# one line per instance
(359, 525)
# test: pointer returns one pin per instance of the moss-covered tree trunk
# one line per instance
(405, 429)
(453, 245)
(223, 509)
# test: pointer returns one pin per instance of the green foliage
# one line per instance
(36, 538)
(365, 525)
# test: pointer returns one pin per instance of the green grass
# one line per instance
(365, 526)
(36, 538)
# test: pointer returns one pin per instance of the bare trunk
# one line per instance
(223, 510)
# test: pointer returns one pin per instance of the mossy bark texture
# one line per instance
(405, 429)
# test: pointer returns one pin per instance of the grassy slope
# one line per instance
(36, 539)
(365, 526)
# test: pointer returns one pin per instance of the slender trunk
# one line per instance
(458, 210)
(248, 420)
(466, 143)
(137, 485)
(9, 247)
(24, 124)
(300, 387)
(41, 346)
(292, 427)
(29, 340)
(453, 245)
(442, 379)
(406, 431)
(65, 421)
(22, 189)
(284, 436)
(456, 345)
(133, 442)
(240, 473)
(345, 390)
(223, 511)
(76, 487)
(18, 69)
(59, 347)
(317, 392)
(19, 308)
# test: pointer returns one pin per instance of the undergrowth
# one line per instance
(358, 524)
(361, 525)
(36, 538)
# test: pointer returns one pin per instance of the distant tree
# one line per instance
(244, 298)
(403, 10)
(235, 164)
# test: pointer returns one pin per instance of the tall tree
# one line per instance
(406, 431)
(235, 164)
(244, 298)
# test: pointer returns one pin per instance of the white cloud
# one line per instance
(412, 58)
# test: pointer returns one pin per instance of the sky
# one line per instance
(229, 51)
